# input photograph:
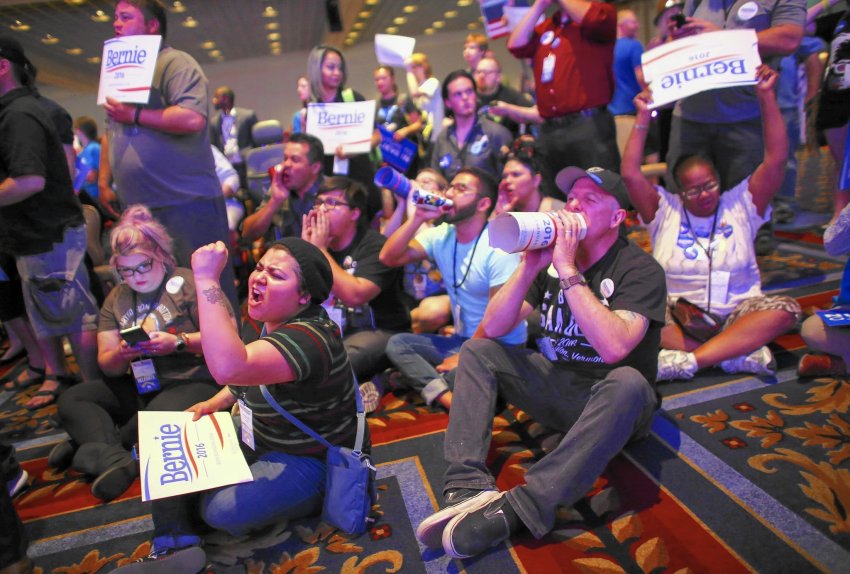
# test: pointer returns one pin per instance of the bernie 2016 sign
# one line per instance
(178, 456)
(698, 63)
(126, 68)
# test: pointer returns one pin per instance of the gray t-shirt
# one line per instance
(159, 169)
(740, 103)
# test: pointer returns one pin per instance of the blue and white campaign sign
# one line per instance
(178, 456)
(699, 63)
(837, 317)
(346, 124)
(126, 68)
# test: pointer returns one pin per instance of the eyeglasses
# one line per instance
(330, 202)
(141, 269)
(697, 190)
(458, 189)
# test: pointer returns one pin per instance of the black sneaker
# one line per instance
(114, 481)
(61, 455)
(189, 560)
(473, 532)
(458, 500)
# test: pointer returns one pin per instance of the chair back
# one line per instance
(268, 135)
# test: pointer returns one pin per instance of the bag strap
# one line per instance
(361, 414)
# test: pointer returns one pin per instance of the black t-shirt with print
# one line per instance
(625, 278)
(360, 259)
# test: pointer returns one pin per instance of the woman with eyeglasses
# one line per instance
(704, 239)
(149, 348)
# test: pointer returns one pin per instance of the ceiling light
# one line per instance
(451, 14)
(410, 8)
(19, 26)
(100, 16)
(392, 30)
(359, 25)
(208, 45)
(472, 26)
(269, 12)
(438, 24)
(429, 31)
(353, 34)
(177, 7)
(349, 42)
(74, 51)
(272, 26)
(400, 20)
(372, 2)
(189, 22)
(464, 3)
(93, 60)
(274, 45)
(75, 2)
(49, 39)
(364, 14)
(215, 53)
(275, 51)
(273, 36)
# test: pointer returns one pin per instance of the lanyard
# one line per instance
(455, 284)
(152, 303)
(706, 251)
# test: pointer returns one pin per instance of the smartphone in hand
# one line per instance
(134, 335)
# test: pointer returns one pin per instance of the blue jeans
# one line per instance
(285, 487)
(598, 416)
(416, 356)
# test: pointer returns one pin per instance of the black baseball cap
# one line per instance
(604, 178)
(11, 49)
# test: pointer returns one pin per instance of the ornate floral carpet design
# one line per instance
(740, 474)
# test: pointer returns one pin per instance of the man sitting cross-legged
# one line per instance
(602, 308)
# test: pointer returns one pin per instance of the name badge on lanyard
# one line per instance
(144, 373)
(246, 418)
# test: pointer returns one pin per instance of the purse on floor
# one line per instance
(695, 322)
(350, 489)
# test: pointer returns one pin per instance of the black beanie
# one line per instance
(315, 268)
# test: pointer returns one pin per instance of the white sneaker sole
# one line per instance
(430, 531)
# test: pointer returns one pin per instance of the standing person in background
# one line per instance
(88, 160)
(327, 72)
(159, 154)
(42, 227)
(667, 12)
(475, 47)
(230, 130)
(490, 89)
(426, 93)
(396, 113)
(302, 88)
(574, 47)
(471, 141)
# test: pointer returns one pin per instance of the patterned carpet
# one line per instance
(740, 474)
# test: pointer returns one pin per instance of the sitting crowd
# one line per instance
(333, 284)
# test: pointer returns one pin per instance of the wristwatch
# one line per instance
(572, 281)
(182, 342)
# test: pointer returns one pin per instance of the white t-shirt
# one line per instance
(677, 248)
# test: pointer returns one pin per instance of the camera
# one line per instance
(679, 19)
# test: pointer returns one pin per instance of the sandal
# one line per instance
(64, 382)
(17, 385)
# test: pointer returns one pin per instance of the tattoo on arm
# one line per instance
(215, 295)
(633, 320)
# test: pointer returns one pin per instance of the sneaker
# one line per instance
(475, 531)
(371, 395)
(114, 481)
(189, 560)
(18, 483)
(821, 365)
(759, 362)
(459, 500)
(61, 455)
(676, 365)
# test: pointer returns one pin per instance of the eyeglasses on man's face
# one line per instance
(141, 269)
(329, 202)
(697, 190)
(459, 189)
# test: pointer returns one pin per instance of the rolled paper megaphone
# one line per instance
(401, 186)
(516, 231)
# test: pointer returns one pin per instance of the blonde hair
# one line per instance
(420, 59)
(138, 232)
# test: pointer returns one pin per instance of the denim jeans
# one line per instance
(285, 487)
(416, 356)
(367, 352)
(599, 418)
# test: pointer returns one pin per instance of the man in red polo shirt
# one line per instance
(572, 55)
